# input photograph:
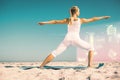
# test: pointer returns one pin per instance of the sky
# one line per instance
(22, 39)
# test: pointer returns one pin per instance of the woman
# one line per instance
(72, 36)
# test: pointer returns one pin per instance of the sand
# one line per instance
(110, 71)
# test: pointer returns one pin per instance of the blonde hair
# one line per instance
(73, 11)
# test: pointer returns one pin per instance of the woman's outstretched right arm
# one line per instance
(64, 21)
(84, 20)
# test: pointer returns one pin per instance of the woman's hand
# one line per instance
(41, 23)
(106, 17)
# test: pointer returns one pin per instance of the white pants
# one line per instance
(71, 39)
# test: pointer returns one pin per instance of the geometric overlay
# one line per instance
(107, 46)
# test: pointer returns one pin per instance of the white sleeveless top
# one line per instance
(74, 27)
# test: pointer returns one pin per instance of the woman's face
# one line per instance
(78, 12)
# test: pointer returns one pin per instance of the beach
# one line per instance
(12, 71)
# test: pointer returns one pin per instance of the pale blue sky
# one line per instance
(22, 39)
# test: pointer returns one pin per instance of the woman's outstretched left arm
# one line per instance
(64, 21)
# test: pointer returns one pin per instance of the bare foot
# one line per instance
(89, 66)
(41, 67)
